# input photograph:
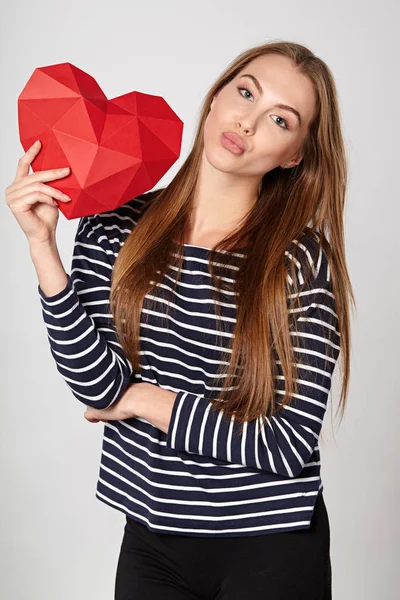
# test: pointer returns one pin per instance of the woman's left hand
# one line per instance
(124, 408)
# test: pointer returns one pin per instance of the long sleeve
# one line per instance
(79, 323)
(286, 442)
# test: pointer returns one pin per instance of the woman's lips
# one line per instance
(229, 144)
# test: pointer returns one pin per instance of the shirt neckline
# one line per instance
(207, 250)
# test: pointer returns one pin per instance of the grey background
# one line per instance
(57, 540)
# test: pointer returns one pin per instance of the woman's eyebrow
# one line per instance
(283, 106)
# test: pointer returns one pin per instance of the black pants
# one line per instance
(289, 565)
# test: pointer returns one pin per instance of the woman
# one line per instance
(228, 285)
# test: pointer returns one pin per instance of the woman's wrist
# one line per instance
(52, 277)
(153, 404)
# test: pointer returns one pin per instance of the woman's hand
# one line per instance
(31, 200)
(144, 400)
(126, 407)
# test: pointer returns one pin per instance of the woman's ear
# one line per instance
(297, 159)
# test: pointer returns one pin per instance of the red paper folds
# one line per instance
(116, 149)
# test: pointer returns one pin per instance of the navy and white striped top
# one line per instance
(199, 479)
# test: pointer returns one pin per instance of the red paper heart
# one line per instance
(116, 149)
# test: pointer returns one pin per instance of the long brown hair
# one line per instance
(307, 198)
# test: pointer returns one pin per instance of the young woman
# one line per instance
(202, 322)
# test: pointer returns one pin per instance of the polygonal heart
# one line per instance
(116, 149)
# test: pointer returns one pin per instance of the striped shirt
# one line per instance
(200, 478)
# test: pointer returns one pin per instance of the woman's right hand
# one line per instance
(31, 200)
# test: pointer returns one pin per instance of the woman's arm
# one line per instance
(49, 268)
(76, 313)
(288, 439)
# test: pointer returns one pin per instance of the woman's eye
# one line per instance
(286, 126)
(242, 88)
(286, 123)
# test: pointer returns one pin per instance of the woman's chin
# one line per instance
(222, 160)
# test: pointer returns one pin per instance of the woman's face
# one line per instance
(272, 136)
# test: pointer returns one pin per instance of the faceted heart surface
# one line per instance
(116, 149)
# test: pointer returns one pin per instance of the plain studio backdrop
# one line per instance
(57, 540)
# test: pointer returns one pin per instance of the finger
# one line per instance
(91, 419)
(40, 176)
(91, 415)
(25, 204)
(25, 161)
(39, 187)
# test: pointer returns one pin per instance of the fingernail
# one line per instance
(66, 197)
(37, 143)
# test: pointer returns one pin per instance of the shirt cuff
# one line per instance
(60, 295)
(187, 421)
